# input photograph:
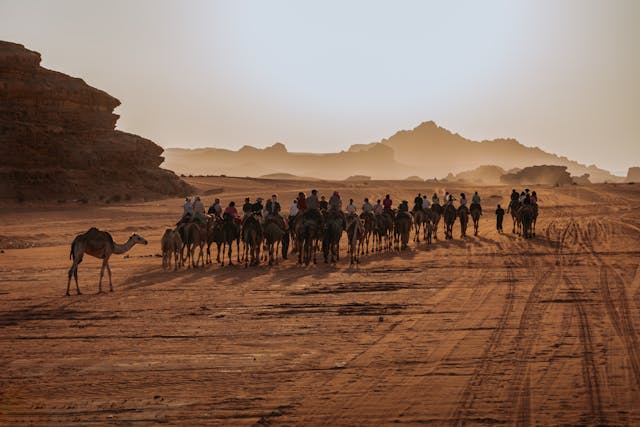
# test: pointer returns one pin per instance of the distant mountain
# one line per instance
(450, 152)
(427, 151)
(251, 161)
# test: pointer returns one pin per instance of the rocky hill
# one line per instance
(58, 139)
(453, 153)
(428, 151)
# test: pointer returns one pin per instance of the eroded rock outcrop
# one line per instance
(58, 139)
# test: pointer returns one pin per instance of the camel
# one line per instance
(476, 211)
(526, 217)
(384, 229)
(193, 236)
(449, 219)
(331, 239)
(214, 235)
(355, 235)
(436, 214)
(463, 213)
(514, 207)
(402, 230)
(99, 244)
(230, 232)
(308, 228)
(252, 235)
(274, 234)
(369, 228)
(419, 217)
(171, 244)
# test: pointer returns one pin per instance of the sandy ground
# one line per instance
(491, 329)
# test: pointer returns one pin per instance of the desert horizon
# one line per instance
(301, 213)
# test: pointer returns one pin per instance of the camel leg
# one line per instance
(109, 273)
(73, 271)
(104, 263)
(238, 249)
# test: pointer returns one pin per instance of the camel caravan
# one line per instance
(313, 226)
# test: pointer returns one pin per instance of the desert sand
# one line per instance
(492, 329)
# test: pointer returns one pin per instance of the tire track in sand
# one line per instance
(485, 369)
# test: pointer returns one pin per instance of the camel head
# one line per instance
(136, 238)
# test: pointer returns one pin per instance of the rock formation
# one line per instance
(633, 175)
(544, 174)
(58, 139)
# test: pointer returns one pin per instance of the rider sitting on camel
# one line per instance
(273, 212)
(463, 199)
(215, 208)
(425, 202)
(312, 200)
(387, 203)
(377, 209)
(417, 203)
(351, 207)
(323, 204)
(475, 201)
(198, 211)
(366, 206)
(232, 212)
(404, 207)
(246, 208)
(434, 199)
(335, 208)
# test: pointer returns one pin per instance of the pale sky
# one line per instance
(322, 75)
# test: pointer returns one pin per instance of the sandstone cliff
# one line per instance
(58, 139)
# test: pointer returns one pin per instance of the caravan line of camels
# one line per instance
(269, 239)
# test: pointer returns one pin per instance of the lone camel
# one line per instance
(99, 244)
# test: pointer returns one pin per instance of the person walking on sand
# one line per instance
(499, 218)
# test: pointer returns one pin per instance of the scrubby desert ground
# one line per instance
(491, 329)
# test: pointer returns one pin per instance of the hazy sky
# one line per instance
(319, 76)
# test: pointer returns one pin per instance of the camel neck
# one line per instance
(120, 249)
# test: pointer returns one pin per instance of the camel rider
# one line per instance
(351, 207)
(475, 200)
(232, 211)
(377, 209)
(534, 198)
(312, 200)
(425, 203)
(366, 206)
(387, 203)
(527, 199)
(246, 208)
(522, 197)
(417, 203)
(404, 208)
(434, 199)
(187, 210)
(273, 212)
(323, 205)
(301, 202)
(273, 206)
(198, 211)
(514, 195)
(293, 209)
(216, 208)
(448, 199)
(463, 199)
(335, 207)
(257, 207)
